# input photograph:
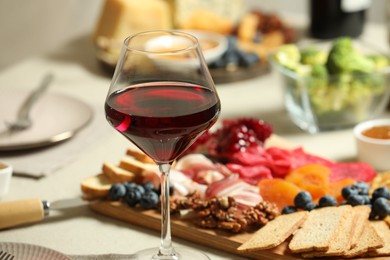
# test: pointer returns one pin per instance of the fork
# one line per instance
(6, 256)
(23, 120)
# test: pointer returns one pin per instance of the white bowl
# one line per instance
(213, 46)
(373, 151)
(5, 178)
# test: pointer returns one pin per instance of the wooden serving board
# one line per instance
(217, 239)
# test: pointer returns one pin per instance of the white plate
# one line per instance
(55, 118)
(22, 251)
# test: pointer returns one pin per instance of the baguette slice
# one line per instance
(383, 231)
(368, 241)
(131, 164)
(139, 155)
(319, 229)
(117, 174)
(96, 187)
(274, 232)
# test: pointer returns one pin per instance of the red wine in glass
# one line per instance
(156, 116)
(162, 98)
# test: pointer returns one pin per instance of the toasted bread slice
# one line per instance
(95, 187)
(319, 229)
(137, 167)
(342, 242)
(369, 240)
(118, 174)
(383, 231)
(274, 232)
(139, 155)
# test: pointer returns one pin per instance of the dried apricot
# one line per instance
(336, 187)
(313, 178)
(278, 191)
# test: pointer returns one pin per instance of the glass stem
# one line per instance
(166, 249)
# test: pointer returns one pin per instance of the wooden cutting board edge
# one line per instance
(223, 241)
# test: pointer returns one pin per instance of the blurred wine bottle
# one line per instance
(334, 18)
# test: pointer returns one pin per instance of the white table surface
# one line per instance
(81, 231)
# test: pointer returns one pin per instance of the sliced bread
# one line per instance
(95, 187)
(139, 155)
(137, 167)
(118, 174)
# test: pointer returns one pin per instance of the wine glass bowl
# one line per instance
(162, 108)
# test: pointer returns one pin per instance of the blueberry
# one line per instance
(362, 187)
(381, 207)
(288, 210)
(367, 200)
(134, 186)
(381, 192)
(149, 200)
(310, 206)
(327, 201)
(302, 199)
(355, 200)
(348, 191)
(132, 197)
(130, 185)
(117, 191)
(148, 186)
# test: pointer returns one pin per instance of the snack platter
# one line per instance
(135, 164)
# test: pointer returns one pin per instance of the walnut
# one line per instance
(224, 213)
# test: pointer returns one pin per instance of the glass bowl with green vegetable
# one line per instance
(332, 85)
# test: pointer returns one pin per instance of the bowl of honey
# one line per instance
(373, 143)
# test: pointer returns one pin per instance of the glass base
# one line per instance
(181, 253)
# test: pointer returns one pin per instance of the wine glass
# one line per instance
(162, 98)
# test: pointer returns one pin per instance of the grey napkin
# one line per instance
(41, 162)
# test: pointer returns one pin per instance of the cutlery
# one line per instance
(15, 213)
(23, 120)
(6, 256)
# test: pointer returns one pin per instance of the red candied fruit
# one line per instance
(235, 135)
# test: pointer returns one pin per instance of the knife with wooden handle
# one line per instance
(20, 212)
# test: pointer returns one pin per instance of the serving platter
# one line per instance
(185, 229)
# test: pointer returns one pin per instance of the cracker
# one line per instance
(383, 231)
(274, 232)
(319, 229)
(340, 243)
(369, 240)
(362, 214)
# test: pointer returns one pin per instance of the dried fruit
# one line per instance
(335, 188)
(313, 178)
(278, 191)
